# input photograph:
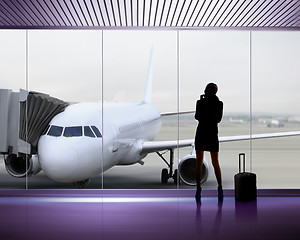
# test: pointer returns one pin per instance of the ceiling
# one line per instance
(150, 14)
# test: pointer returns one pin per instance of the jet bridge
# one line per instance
(24, 116)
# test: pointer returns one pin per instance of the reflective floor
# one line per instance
(147, 214)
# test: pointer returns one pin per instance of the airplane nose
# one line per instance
(58, 161)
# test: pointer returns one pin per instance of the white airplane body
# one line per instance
(123, 127)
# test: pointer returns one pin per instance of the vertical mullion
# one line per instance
(26, 107)
(250, 92)
(178, 107)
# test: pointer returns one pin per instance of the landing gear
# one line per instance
(81, 184)
(165, 175)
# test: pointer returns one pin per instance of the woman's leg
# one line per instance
(215, 163)
(199, 162)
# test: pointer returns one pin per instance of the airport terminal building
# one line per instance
(97, 118)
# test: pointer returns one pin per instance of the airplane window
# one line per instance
(88, 132)
(73, 131)
(55, 131)
(96, 131)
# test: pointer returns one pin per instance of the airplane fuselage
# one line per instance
(89, 138)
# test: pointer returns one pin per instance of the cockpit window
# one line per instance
(55, 131)
(96, 131)
(88, 132)
(73, 131)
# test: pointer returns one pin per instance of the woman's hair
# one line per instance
(211, 89)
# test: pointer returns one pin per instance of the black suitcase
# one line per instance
(244, 183)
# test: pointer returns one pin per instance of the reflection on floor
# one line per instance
(147, 214)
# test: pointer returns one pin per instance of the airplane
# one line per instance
(86, 139)
(275, 123)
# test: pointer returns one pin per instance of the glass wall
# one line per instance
(127, 66)
(221, 57)
(257, 75)
(67, 65)
(276, 107)
(12, 76)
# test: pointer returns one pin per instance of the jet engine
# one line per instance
(17, 166)
(187, 170)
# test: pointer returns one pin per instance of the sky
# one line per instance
(91, 65)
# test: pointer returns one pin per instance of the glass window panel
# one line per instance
(55, 131)
(126, 65)
(61, 64)
(221, 57)
(73, 132)
(12, 76)
(96, 131)
(275, 108)
(88, 132)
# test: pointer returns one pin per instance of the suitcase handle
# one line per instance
(242, 156)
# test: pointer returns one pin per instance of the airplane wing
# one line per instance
(258, 136)
(176, 113)
(156, 146)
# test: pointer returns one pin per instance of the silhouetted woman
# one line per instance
(209, 112)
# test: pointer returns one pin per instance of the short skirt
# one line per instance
(206, 142)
